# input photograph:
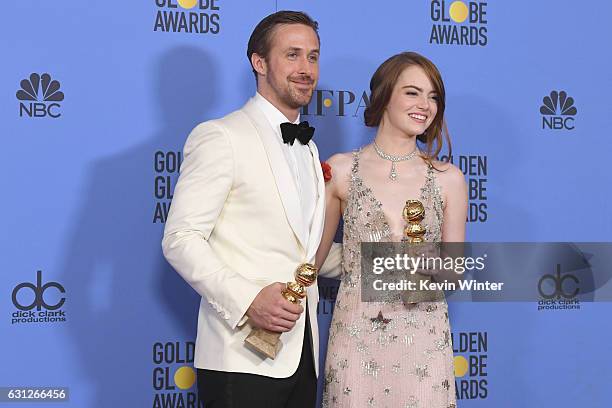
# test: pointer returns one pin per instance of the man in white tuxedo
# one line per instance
(248, 209)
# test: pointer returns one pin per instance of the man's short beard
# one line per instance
(293, 98)
(288, 96)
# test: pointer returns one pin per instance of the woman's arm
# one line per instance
(455, 213)
(335, 191)
(455, 210)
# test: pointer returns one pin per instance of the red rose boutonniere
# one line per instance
(327, 171)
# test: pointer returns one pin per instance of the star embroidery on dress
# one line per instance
(379, 322)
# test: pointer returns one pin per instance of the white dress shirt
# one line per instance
(300, 161)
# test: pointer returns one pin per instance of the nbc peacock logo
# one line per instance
(40, 96)
(558, 111)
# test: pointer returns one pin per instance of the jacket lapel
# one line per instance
(280, 170)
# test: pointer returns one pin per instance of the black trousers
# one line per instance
(219, 389)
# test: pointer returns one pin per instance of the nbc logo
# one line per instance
(558, 111)
(40, 96)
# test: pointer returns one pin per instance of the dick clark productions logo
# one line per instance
(40, 97)
(559, 291)
(27, 296)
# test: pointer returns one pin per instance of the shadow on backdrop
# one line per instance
(121, 286)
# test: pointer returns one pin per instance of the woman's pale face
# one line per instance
(413, 104)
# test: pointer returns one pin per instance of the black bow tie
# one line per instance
(302, 132)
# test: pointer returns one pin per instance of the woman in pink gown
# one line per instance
(393, 354)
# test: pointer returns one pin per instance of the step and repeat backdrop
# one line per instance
(98, 97)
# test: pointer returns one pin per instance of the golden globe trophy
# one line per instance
(413, 214)
(267, 342)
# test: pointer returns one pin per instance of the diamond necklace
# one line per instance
(394, 159)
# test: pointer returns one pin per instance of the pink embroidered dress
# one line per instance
(386, 354)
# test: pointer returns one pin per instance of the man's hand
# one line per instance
(271, 311)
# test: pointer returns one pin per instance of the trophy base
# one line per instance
(265, 342)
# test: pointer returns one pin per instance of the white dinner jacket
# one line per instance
(235, 226)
